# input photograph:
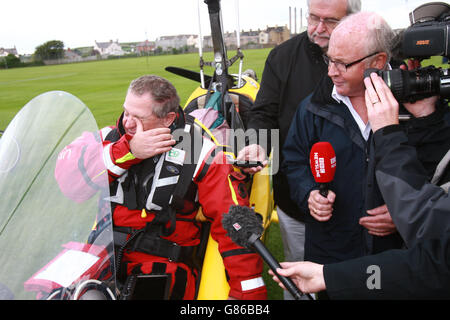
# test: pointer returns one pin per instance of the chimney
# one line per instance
(301, 18)
(290, 22)
(295, 20)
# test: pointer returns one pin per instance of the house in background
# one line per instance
(110, 48)
(192, 41)
(145, 47)
(274, 35)
(169, 42)
(250, 37)
(72, 55)
(263, 37)
(4, 52)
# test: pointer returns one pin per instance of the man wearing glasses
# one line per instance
(292, 71)
(336, 228)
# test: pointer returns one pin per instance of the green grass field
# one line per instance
(102, 86)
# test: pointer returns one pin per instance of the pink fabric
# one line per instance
(208, 117)
(70, 179)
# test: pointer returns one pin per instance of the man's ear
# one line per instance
(380, 61)
(169, 119)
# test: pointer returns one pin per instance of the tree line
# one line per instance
(53, 49)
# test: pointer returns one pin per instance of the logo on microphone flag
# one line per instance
(322, 160)
(237, 226)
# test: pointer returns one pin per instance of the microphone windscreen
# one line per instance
(240, 223)
(322, 160)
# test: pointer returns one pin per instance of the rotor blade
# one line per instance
(192, 75)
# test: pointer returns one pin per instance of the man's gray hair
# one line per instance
(353, 6)
(161, 90)
(381, 39)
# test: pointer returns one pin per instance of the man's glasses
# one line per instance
(342, 67)
(314, 20)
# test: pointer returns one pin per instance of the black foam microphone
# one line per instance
(245, 228)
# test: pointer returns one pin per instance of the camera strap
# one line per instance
(440, 170)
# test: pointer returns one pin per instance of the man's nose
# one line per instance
(332, 70)
(321, 27)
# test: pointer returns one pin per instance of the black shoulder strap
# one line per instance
(187, 173)
(113, 135)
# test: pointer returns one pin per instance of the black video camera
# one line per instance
(428, 35)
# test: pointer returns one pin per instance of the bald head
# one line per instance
(360, 41)
(366, 32)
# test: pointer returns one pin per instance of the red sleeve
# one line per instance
(218, 189)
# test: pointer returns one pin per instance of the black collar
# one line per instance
(323, 91)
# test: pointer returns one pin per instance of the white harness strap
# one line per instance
(150, 205)
(118, 171)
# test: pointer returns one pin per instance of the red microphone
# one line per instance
(322, 161)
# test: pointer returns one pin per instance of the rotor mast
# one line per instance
(220, 51)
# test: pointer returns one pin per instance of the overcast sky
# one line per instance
(26, 24)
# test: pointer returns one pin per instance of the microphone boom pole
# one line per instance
(244, 227)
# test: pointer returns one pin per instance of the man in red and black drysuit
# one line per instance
(154, 202)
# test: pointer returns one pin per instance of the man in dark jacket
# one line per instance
(336, 113)
(405, 165)
(421, 272)
(419, 209)
(291, 73)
